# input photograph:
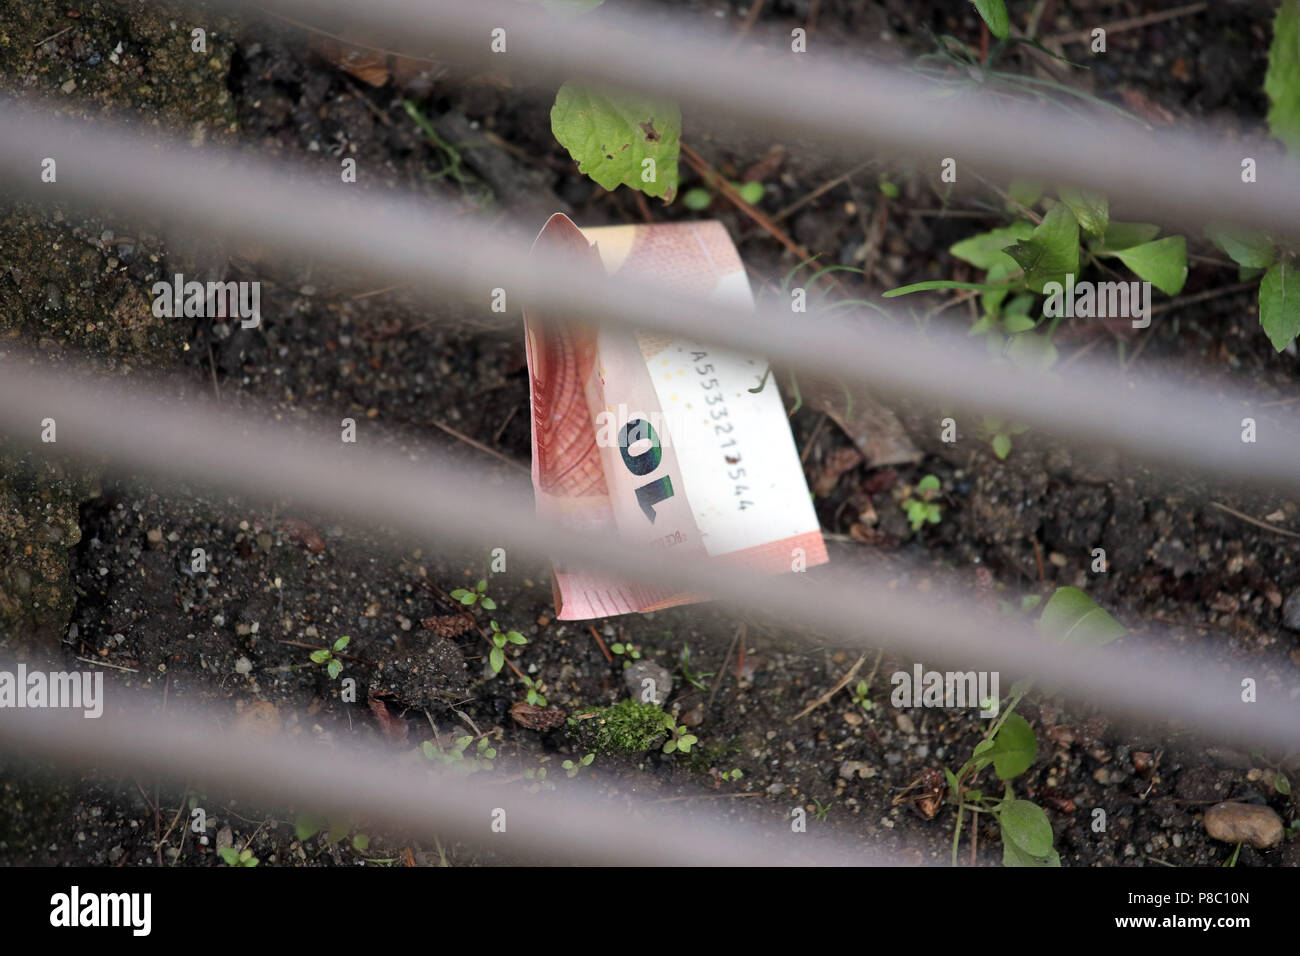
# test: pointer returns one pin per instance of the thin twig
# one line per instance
(1255, 521)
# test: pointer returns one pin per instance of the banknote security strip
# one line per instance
(659, 439)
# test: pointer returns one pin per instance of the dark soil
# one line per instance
(120, 586)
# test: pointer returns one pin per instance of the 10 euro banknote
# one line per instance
(658, 438)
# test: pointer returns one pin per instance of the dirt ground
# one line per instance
(99, 568)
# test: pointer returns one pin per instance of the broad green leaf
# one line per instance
(1013, 855)
(1025, 191)
(994, 13)
(361, 842)
(1124, 235)
(1072, 616)
(619, 137)
(1163, 263)
(984, 250)
(928, 483)
(307, 825)
(1026, 825)
(230, 856)
(1279, 305)
(1253, 250)
(1002, 446)
(1089, 208)
(1051, 251)
(497, 659)
(1014, 747)
(338, 829)
(991, 300)
(1282, 80)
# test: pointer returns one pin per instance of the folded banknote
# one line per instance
(659, 438)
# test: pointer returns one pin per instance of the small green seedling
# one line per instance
(1010, 747)
(326, 656)
(629, 651)
(999, 433)
(822, 809)
(920, 509)
(539, 781)
(477, 596)
(699, 198)
(500, 638)
(682, 739)
(233, 857)
(535, 695)
(571, 768)
(692, 678)
(307, 825)
(860, 697)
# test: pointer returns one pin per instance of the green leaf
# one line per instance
(1247, 248)
(1014, 747)
(617, 648)
(994, 13)
(612, 133)
(249, 860)
(230, 855)
(334, 668)
(670, 746)
(499, 639)
(1125, 235)
(1026, 825)
(1072, 616)
(928, 483)
(341, 643)
(1281, 784)
(1026, 192)
(1279, 305)
(1282, 80)
(361, 842)
(984, 250)
(320, 657)
(497, 659)
(1090, 209)
(307, 825)
(1013, 855)
(338, 829)
(750, 192)
(488, 604)
(1002, 445)
(941, 284)
(459, 594)
(516, 638)
(468, 597)
(1163, 263)
(587, 760)
(697, 200)
(1051, 251)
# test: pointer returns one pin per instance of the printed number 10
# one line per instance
(648, 495)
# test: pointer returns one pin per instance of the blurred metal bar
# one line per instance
(219, 193)
(575, 824)
(821, 97)
(139, 428)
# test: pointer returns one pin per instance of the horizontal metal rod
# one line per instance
(575, 824)
(142, 429)
(397, 239)
(824, 99)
